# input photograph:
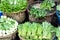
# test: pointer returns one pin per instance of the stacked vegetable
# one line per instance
(7, 26)
(35, 31)
(12, 5)
(41, 10)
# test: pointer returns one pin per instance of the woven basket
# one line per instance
(9, 34)
(58, 1)
(8, 37)
(30, 1)
(18, 16)
(48, 17)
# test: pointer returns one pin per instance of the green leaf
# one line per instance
(13, 5)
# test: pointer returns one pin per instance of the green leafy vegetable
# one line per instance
(13, 5)
(36, 12)
(36, 31)
(6, 23)
(47, 5)
(30, 30)
(42, 9)
(47, 29)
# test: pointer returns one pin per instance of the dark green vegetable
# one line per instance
(47, 5)
(44, 8)
(13, 5)
(36, 12)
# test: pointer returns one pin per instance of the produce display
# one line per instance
(35, 31)
(7, 26)
(12, 5)
(39, 22)
(30, 31)
(43, 9)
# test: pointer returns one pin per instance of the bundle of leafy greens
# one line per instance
(47, 5)
(42, 11)
(37, 12)
(7, 26)
(13, 5)
(30, 31)
(39, 31)
(47, 30)
(6, 23)
(36, 31)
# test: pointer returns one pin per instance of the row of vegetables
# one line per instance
(39, 11)
(28, 30)
(36, 31)
(16, 9)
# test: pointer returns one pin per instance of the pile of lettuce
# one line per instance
(36, 31)
(41, 10)
(12, 5)
(7, 26)
(6, 23)
(30, 31)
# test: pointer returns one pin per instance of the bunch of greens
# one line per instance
(47, 30)
(32, 31)
(37, 12)
(13, 5)
(6, 23)
(36, 31)
(41, 11)
(47, 5)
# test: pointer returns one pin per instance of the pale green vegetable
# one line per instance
(47, 30)
(20, 29)
(29, 30)
(6, 23)
(36, 31)
(40, 31)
